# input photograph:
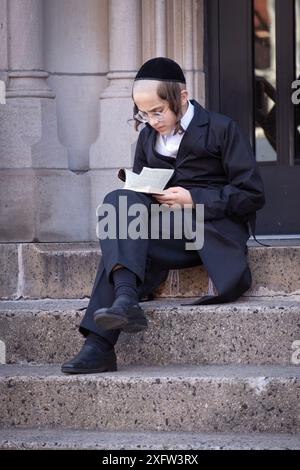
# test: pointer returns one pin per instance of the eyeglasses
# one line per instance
(146, 117)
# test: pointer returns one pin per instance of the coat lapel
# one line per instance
(152, 159)
(193, 133)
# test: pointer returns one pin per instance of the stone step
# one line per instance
(240, 399)
(249, 331)
(67, 270)
(73, 439)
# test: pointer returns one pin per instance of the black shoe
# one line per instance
(128, 318)
(91, 360)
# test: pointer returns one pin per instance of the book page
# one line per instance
(150, 180)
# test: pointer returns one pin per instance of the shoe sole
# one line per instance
(89, 371)
(112, 321)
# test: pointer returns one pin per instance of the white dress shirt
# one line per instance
(168, 145)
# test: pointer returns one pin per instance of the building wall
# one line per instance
(68, 67)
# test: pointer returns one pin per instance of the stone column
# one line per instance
(160, 28)
(113, 145)
(174, 28)
(26, 75)
(76, 57)
(33, 197)
(154, 29)
(113, 148)
(185, 42)
(30, 106)
(198, 50)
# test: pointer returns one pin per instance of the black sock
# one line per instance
(125, 284)
(99, 341)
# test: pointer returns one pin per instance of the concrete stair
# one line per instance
(67, 271)
(173, 398)
(69, 439)
(252, 330)
(201, 377)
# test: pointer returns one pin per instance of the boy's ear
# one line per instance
(184, 97)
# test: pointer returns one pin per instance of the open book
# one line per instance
(150, 180)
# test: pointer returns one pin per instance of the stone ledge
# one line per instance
(48, 270)
(249, 331)
(67, 270)
(174, 398)
(55, 439)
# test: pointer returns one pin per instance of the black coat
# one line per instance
(216, 164)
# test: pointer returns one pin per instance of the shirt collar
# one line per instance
(185, 121)
(187, 117)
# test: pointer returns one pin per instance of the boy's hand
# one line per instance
(175, 195)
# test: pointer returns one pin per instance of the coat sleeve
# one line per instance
(244, 193)
(139, 157)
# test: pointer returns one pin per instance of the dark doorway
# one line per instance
(252, 58)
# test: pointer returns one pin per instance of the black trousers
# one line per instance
(150, 259)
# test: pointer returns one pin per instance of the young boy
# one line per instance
(213, 165)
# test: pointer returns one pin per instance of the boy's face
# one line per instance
(147, 100)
